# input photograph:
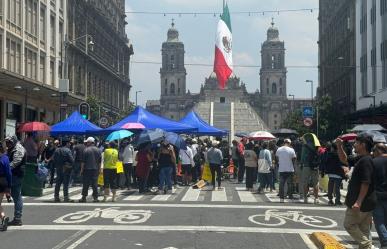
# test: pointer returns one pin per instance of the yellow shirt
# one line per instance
(110, 158)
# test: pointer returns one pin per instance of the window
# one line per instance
(172, 89)
(31, 15)
(275, 115)
(280, 81)
(42, 24)
(267, 82)
(30, 63)
(274, 88)
(13, 56)
(14, 16)
(222, 100)
(267, 90)
(272, 62)
(280, 90)
(61, 38)
(42, 68)
(178, 86)
(52, 33)
(166, 87)
(52, 73)
(1, 51)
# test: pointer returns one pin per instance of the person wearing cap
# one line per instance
(63, 162)
(5, 185)
(187, 163)
(90, 168)
(215, 158)
(17, 158)
(286, 158)
(361, 197)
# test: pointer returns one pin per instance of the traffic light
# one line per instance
(84, 110)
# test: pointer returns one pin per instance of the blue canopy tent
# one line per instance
(152, 121)
(204, 129)
(75, 124)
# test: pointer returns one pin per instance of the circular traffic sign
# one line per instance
(103, 122)
(308, 122)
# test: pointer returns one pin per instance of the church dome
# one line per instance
(173, 34)
(273, 33)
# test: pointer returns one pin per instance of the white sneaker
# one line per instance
(316, 201)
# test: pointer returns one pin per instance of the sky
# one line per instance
(299, 31)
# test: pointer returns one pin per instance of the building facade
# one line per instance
(232, 108)
(32, 49)
(371, 61)
(337, 53)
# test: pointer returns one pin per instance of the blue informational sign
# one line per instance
(307, 112)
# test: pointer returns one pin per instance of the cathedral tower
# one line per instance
(273, 79)
(273, 70)
(173, 76)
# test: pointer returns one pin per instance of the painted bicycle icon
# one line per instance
(118, 216)
(274, 218)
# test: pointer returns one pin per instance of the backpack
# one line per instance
(41, 172)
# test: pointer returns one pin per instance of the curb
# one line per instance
(325, 241)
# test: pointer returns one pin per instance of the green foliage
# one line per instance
(97, 110)
(294, 121)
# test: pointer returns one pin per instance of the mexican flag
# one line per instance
(223, 49)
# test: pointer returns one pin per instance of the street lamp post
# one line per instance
(136, 95)
(311, 88)
(292, 95)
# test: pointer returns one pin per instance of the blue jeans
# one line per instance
(62, 177)
(264, 180)
(165, 178)
(17, 197)
(380, 217)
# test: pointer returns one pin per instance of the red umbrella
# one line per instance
(133, 126)
(34, 126)
(348, 137)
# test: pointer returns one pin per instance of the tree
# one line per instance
(330, 122)
(97, 111)
(294, 121)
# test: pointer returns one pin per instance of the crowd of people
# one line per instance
(294, 166)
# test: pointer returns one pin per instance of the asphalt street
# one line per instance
(227, 218)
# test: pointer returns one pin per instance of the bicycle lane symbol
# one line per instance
(275, 218)
(118, 216)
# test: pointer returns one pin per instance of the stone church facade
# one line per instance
(233, 108)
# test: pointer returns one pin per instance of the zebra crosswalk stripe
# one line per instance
(191, 195)
(219, 195)
(52, 195)
(163, 197)
(245, 196)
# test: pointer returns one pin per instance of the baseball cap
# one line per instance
(90, 140)
(287, 141)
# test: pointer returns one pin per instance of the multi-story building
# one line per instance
(32, 49)
(371, 61)
(337, 50)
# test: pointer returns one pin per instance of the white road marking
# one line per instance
(274, 198)
(68, 240)
(178, 205)
(48, 190)
(219, 195)
(51, 196)
(163, 197)
(191, 195)
(133, 197)
(82, 239)
(229, 229)
(307, 241)
(245, 196)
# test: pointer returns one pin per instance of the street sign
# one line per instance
(308, 122)
(307, 112)
(103, 122)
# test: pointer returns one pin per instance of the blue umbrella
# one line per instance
(119, 135)
(176, 140)
(150, 136)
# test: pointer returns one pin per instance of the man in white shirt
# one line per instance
(187, 163)
(286, 158)
(128, 159)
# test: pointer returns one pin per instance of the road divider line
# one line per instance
(82, 239)
(230, 229)
(68, 240)
(219, 195)
(191, 195)
(179, 205)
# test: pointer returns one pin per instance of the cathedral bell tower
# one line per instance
(172, 75)
(273, 79)
(273, 70)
